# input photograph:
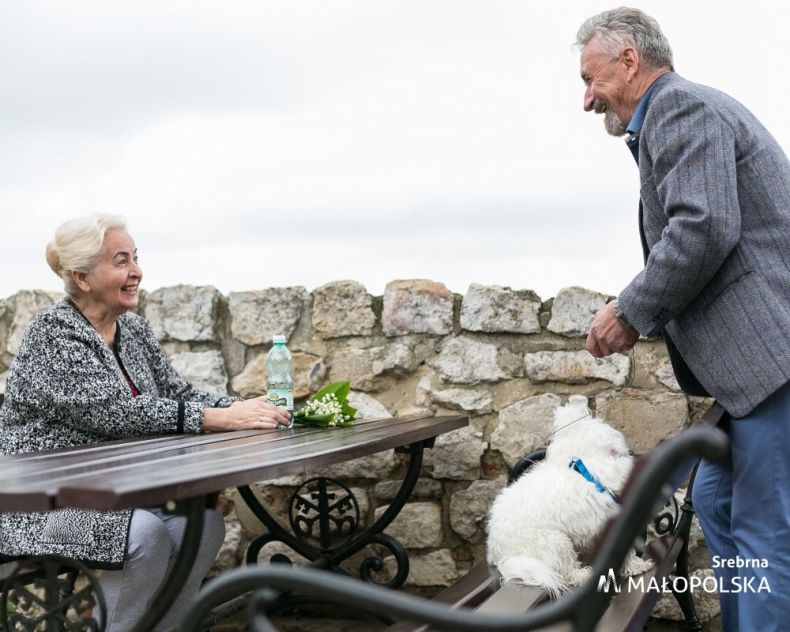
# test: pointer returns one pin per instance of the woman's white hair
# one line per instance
(622, 27)
(77, 245)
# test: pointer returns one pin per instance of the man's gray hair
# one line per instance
(622, 27)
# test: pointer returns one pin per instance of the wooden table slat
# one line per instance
(18, 477)
(234, 469)
(17, 468)
(143, 472)
(58, 463)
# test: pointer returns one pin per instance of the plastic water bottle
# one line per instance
(279, 380)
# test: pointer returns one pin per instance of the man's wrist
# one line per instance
(620, 316)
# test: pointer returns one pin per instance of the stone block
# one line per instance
(354, 365)
(343, 308)
(251, 382)
(573, 311)
(308, 375)
(437, 568)
(183, 312)
(258, 316)
(418, 525)
(645, 418)
(235, 354)
(417, 306)
(231, 551)
(647, 357)
(666, 375)
(456, 455)
(274, 498)
(367, 407)
(376, 466)
(524, 426)
(426, 488)
(499, 309)
(396, 357)
(469, 507)
(465, 360)
(576, 367)
(475, 401)
(16, 312)
(361, 367)
(205, 370)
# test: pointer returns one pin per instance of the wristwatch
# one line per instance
(620, 316)
(223, 402)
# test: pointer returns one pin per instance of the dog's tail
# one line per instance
(530, 571)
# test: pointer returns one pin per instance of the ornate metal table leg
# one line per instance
(194, 509)
(274, 532)
(323, 509)
(42, 591)
(375, 534)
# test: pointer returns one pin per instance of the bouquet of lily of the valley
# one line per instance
(328, 407)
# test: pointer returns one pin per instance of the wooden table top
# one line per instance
(152, 470)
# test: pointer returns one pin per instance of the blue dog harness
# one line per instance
(578, 465)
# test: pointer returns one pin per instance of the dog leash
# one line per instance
(570, 423)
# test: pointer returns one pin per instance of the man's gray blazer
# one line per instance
(715, 192)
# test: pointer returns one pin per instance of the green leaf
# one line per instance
(315, 420)
(338, 389)
(349, 410)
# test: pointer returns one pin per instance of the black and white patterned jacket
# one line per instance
(65, 388)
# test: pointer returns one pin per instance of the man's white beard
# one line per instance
(614, 124)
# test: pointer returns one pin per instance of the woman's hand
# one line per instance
(249, 414)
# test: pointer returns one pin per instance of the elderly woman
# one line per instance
(89, 370)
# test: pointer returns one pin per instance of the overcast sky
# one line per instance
(263, 143)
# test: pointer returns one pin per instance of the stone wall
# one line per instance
(503, 357)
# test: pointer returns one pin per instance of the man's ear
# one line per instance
(630, 59)
(81, 280)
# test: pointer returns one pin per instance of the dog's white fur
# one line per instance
(542, 525)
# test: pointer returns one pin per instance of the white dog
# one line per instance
(543, 525)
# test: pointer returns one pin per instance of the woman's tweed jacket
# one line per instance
(65, 388)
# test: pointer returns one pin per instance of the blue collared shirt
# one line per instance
(639, 114)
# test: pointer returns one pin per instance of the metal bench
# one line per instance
(508, 606)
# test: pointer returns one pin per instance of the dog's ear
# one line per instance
(575, 410)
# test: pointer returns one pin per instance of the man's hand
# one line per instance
(607, 335)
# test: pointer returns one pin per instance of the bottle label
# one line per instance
(283, 397)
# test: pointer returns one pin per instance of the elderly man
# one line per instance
(714, 220)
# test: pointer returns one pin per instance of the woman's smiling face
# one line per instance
(115, 280)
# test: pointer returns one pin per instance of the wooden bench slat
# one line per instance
(630, 608)
(512, 597)
(470, 590)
